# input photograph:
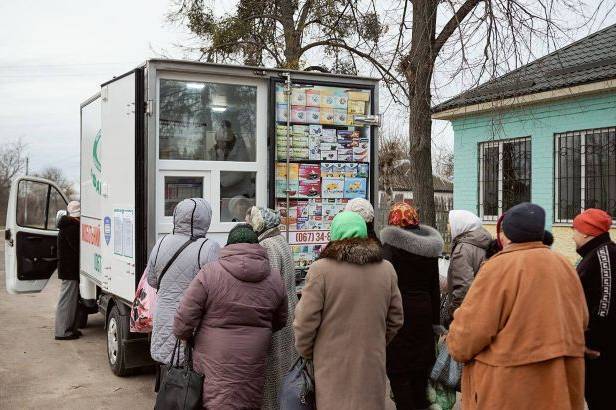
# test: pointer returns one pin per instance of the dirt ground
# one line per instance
(37, 372)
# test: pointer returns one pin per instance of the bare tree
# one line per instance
(443, 163)
(12, 164)
(404, 41)
(58, 176)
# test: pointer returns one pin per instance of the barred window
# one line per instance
(584, 172)
(504, 175)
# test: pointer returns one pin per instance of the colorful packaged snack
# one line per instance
(329, 135)
(328, 100)
(313, 115)
(281, 112)
(313, 98)
(356, 107)
(309, 172)
(298, 114)
(359, 95)
(327, 116)
(332, 187)
(355, 188)
(350, 170)
(298, 96)
(340, 117)
(341, 101)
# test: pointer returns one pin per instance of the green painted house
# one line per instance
(545, 133)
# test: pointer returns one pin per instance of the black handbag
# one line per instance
(181, 387)
(297, 391)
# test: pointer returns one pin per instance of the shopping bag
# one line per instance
(297, 391)
(440, 397)
(446, 371)
(142, 309)
(181, 387)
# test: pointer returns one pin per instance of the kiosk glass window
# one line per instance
(237, 195)
(180, 188)
(207, 121)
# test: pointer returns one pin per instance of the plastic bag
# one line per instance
(142, 309)
(446, 371)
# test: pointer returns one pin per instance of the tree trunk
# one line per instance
(418, 68)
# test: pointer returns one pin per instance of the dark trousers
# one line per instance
(409, 390)
(600, 383)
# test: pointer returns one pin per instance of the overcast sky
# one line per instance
(55, 54)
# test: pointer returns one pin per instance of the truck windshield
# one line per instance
(207, 121)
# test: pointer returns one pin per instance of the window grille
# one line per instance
(504, 175)
(584, 172)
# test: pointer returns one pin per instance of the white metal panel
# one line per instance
(91, 187)
(118, 186)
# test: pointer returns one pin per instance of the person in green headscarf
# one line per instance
(349, 310)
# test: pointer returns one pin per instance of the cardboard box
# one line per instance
(298, 96)
(332, 188)
(313, 98)
(313, 115)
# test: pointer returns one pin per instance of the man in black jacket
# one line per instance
(68, 272)
(597, 272)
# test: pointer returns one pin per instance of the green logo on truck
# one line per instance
(96, 152)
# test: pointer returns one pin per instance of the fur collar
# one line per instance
(425, 241)
(355, 251)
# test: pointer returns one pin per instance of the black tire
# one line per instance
(117, 330)
(82, 317)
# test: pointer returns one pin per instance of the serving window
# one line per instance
(212, 143)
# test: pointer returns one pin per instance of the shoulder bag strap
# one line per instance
(173, 258)
(199, 254)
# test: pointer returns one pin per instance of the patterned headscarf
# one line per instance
(261, 219)
(403, 215)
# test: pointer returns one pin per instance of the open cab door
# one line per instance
(30, 246)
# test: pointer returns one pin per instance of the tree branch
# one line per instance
(452, 24)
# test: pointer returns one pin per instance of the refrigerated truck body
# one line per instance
(169, 130)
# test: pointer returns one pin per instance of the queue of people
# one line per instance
(531, 331)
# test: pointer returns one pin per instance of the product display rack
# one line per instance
(295, 207)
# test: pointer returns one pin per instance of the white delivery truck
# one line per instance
(300, 142)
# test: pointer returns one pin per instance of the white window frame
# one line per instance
(482, 148)
(582, 134)
(211, 169)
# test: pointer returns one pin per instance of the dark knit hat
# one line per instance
(242, 233)
(524, 223)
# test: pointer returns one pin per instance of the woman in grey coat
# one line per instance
(282, 353)
(191, 221)
(468, 252)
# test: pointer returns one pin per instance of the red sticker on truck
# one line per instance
(91, 234)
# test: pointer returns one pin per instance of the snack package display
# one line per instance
(309, 172)
(281, 179)
(298, 96)
(298, 113)
(281, 112)
(354, 188)
(329, 135)
(341, 101)
(281, 96)
(329, 161)
(356, 107)
(332, 188)
(313, 115)
(328, 99)
(313, 98)
(340, 117)
(345, 154)
(309, 189)
(350, 170)
(327, 116)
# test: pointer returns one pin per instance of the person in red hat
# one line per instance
(597, 272)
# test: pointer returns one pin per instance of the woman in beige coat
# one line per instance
(349, 310)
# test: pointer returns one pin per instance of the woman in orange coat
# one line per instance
(520, 329)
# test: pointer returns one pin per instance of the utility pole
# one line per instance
(27, 165)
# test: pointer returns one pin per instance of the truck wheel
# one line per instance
(117, 329)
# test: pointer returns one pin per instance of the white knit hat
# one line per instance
(361, 206)
(74, 209)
